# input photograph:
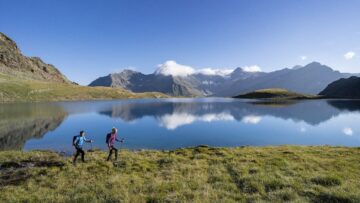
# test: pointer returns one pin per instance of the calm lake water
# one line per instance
(174, 123)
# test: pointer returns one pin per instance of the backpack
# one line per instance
(108, 138)
(74, 139)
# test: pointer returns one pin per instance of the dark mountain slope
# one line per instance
(343, 88)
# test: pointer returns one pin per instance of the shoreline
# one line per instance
(69, 153)
(274, 100)
(191, 147)
(137, 96)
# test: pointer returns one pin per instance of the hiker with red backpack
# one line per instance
(110, 141)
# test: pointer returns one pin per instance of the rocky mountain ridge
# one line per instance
(14, 63)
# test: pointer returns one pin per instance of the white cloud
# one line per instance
(349, 55)
(251, 119)
(173, 68)
(175, 120)
(212, 71)
(303, 129)
(348, 131)
(253, 68)
(303, 58)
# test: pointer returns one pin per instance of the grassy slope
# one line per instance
(275, 93)
(201, 174)
(21, 90)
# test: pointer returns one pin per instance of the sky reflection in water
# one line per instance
(173, 123)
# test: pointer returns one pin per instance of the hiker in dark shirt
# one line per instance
(110, 141)
(78, 142)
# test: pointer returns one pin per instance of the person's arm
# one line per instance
(87, 140)
(119, 140)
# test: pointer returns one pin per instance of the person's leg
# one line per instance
(110, 153)
(82, 155)
(76, 155)
(116, 153)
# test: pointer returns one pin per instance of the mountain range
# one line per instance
(24, 79)
(309, 79)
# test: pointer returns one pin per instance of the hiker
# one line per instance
(78, 142)
(110, 141)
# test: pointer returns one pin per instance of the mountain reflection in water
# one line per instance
(181, 113)
(21, 122)
(184, 122)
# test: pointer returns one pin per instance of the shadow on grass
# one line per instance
(330, 198)
(15, 173)
(327, 181)
(243, 184)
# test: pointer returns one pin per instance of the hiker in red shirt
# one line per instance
(110, 141)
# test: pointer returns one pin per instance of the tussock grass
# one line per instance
(198, 174)
(24, 90)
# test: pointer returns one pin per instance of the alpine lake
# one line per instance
(165, 124)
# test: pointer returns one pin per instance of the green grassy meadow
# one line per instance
(198, 174)
(13, 89)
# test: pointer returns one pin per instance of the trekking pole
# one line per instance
(121, 142)
(91, 146)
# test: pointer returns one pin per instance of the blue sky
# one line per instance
(88, 39)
